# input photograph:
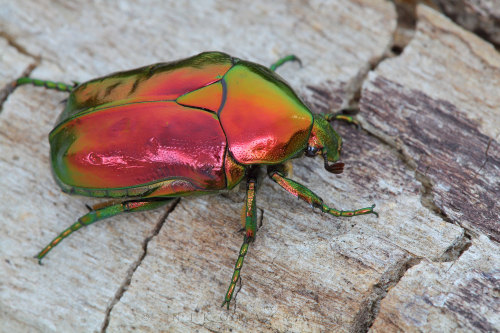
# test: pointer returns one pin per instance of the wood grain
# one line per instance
(437, 104)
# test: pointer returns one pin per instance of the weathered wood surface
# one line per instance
(443, 109)
(438, 104)
(480, 16)
(432, 258)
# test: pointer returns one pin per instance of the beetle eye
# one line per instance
(311, 151)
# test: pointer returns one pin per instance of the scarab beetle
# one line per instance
(194, 126)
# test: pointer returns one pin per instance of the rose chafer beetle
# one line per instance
(190, 127)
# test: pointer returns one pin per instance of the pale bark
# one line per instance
(436, 192)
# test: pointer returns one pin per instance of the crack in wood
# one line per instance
(369, 311)
(406, 21)
(427, 195)
(455, 251)
(133, 268)
(452, 160)
(452, 253)
(485, 156)
(9, 89)
(355, 86)
(6, 91)
(11, 41)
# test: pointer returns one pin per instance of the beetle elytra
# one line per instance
(194, 126)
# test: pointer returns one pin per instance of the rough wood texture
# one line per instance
(458, 296)
(438, 104)
(169, 269)
(480, 16)
(407, 20)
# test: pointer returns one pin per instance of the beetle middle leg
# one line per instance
(103, 213)
(250, 219)
(302, 192)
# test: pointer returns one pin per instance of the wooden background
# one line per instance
(428, 155)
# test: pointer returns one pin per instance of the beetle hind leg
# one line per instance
(302, 192)
(250, 219)
(102, 213)
(60, 86)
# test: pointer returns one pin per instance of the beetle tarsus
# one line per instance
(250, 219)
(349, 213)
(374, 212)
(237, 269)
(38, 259)
(226, 302)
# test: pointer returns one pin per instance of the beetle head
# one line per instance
(326, 142)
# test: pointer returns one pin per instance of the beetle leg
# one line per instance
(250, 218)
(283, 60)
(45, 83)
(344, 115)
(302, 192)
(103, 204)
(102, 213)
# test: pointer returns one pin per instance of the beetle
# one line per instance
(195, 126)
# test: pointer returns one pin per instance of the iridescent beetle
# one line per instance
(190, 127)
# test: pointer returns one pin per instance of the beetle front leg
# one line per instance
(101, 214)
(250, 219)
(302, 192)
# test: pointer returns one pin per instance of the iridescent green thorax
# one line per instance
(324, 139)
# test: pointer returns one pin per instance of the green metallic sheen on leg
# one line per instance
(348, 213)
(284, 60)
(60, 86)
(237, 269)
(302, 192)
(251, 229)
(343, 115)
(251, 210)
(101, 214)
